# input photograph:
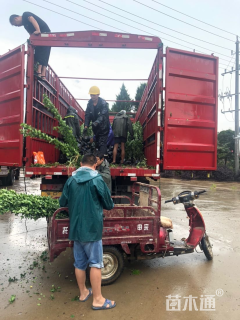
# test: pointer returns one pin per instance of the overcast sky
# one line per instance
(112, 63)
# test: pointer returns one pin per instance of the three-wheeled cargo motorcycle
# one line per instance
(137, 231)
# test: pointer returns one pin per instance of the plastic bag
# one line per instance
(38, 158)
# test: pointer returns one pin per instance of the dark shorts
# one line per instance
(119, 140)
(42, 55)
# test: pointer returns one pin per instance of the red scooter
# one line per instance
(197, 234)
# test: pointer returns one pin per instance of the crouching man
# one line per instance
(103, 169)
(86, 195)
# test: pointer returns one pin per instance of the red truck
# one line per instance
(178, 112)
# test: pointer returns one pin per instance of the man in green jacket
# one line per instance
(103, 169)
(121, 126)
(72, 121)
(86, 195)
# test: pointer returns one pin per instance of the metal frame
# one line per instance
(89, 39)
(95, 39)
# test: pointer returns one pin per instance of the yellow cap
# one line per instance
(94, 90)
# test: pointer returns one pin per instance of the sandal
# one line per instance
(38, 75)
(88, 296)
(104, 306)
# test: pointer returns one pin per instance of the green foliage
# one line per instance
(47, 165)
(89, 132)
(12, 279)
(76, 298)
(136, 272)
(68, 147)
(138, 96)
(134, 148)
(29, 206)
(54, 289)
(62, 127)
(44, 256)
(12, 299)
(225, 149)
(123, 95)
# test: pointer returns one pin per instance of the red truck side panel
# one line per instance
(190, 124)
(149, 113)
(11, 107)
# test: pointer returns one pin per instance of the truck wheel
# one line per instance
(113, 265)
(207, 247)
(9, 179)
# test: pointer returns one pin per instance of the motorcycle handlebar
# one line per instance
(200, 192)
(176, 199)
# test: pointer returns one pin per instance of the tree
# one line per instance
(225, 150)
(138, 95)
(123, 95)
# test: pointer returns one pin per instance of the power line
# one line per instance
(87, 23)
(57, 5)
(113, 26)
(132, 21)
(227, 65)
(110, 25)
(61, 14)
(230, 60)
(222, 64)
(153, 23)
(96, 20)
(224, 59)
(182, 21)
(194, 18)
(147, 21)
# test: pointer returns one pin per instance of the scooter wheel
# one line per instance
(207, 247)
(113, 265)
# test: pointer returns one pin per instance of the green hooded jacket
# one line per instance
(122, 125)
(86, 195)
(105, 172)
(72, 121)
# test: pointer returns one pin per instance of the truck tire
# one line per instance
(207, 247)
(113, 265)
(9, 179)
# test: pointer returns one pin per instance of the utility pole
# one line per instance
(236, 110)
(236, 156)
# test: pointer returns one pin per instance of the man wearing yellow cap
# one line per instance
(97, 113)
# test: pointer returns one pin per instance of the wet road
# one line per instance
(142, 289)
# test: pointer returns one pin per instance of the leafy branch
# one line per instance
(134, 148)
(29, 206)
(69, 147)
